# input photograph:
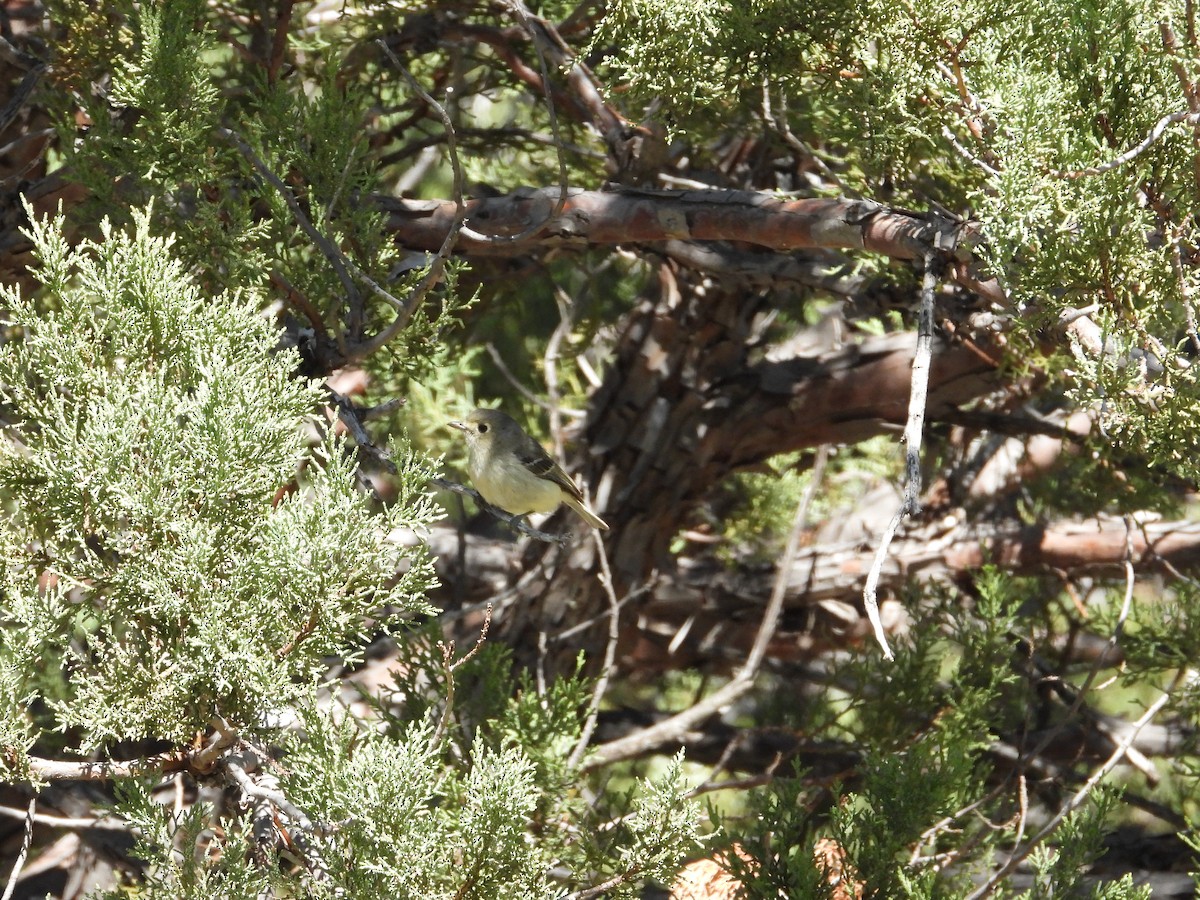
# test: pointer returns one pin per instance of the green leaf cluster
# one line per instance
(914, 822)
(171, 524)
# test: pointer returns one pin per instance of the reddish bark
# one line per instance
(632, 216)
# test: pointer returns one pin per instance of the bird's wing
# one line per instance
(538, 461)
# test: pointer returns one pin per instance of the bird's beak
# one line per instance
(459, 425)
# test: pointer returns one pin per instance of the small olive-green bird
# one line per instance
(514, 472)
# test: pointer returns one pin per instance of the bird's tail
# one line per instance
(586, 514)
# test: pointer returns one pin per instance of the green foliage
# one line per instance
(165, 133)
(149, 513)
(1057, 869)
(409, 826)
(763, 504)
(170, 519)
(205, 868)
(518, 743)
(170, 522)
(924, 729)
(661, 828)
(982, 107)
(167, 85)
(654, 36)
(779, 860)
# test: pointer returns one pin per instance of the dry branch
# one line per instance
(826, 580)
(648, 217)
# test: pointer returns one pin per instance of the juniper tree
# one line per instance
(741, 216)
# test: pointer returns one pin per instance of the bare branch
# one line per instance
(239, 766)
(677, 725)
(605, 887)
(1071, 805)
(610, 655)
(197, 761)
(73, 823)
(913, 437)
(335, 256)
(641, 216)
(26, 843)
(1159, 129)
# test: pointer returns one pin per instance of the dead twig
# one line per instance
(910, 505)
(677, 725)
(26, 843)
(610, 655)
(1132, 153)
(449, 665)
(1071, 805)
(71, 823)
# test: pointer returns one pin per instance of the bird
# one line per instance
(514, 472)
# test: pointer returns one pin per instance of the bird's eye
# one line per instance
(482, 427)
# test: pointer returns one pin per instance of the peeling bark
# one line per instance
(645, 217)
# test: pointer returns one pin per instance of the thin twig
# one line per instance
(335, 256)
(239, 766)
(1071, 805)
(610, 655)
(913, 435)
(72, 823)
(870, 588)
(451, 667)
(550, 367)
(479, 641)
(1104, 655)
(512, 379)
(352, 417)
(1156, 132)
(540, 667)
(1022, 807)
(9, 113)
(529, 20)
(606, 886)
(448, 706)
(678, 724)
(26, 843)
(635, 594)
(1185, 290)
(780, 123)
(930, 834)
(298, 300)
(533, 398)
(438, 265)
(962, 150)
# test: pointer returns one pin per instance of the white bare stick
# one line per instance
(913, 435)
(26, 843)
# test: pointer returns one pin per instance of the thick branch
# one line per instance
(716, 603)
(643, 216)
